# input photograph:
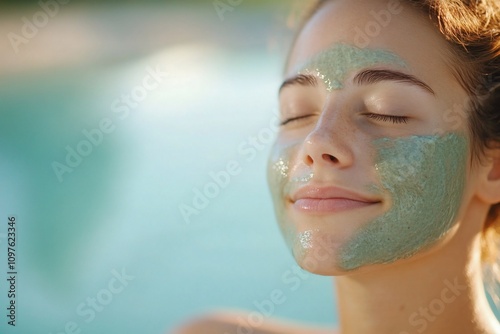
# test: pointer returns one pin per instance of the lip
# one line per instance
(314, 199)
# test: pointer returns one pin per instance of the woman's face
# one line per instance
(370, 165)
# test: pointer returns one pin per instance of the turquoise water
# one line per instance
(118, 210)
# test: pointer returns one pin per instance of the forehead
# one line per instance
(390, 25)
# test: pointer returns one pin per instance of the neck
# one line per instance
(437, 293)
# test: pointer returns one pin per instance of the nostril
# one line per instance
(309, 160)
(329, 157)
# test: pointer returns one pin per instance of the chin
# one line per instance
(318, 243)
(323, 261)
(322, 253)
(327, 267)
(318, 252)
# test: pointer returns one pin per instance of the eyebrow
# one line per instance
(372, 76)
(365, 77)
(300, 79)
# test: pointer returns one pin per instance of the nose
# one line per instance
(328, 145)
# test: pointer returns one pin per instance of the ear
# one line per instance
(489, 174)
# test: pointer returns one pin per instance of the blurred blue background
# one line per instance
(103, 245)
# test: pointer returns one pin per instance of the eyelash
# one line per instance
(388, 118)
(377, 117)
(285, 122)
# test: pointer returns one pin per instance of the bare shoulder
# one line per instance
(236, 323)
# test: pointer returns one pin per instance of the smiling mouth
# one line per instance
(329, 205)
(312, 199)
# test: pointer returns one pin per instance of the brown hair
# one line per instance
(472, 30)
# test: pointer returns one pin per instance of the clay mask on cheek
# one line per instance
(425, 177)
(335, 64)
(279, 181)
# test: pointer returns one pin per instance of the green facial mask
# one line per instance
(335, 64)
(425, 177)
(278, 181)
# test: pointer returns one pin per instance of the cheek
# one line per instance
(279, 171)
(425, 178)
(314, 242)
(277, 176)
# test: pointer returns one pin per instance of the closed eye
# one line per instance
(290, 120)
(388, 118)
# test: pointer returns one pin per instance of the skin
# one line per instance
(416, 176)
(333, 143)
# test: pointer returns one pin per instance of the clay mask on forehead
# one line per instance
(333, 65)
